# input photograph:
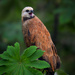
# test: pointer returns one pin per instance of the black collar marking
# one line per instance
(26, 18)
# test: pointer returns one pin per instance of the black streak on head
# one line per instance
(26, 18)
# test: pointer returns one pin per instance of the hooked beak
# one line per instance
(31, 12)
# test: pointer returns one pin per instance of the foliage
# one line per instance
(11, 26)
(66, 11)
(61, 72)
(12, 63)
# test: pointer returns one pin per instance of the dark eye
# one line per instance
(27, 10)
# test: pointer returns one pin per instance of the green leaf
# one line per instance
(5, 55)
(34, 71)
(18, 70)
(39, 64)
(17, 49)
(12, 53)
(29, 51)
(6, 69)
(27, 72)
(5, 62)
(12, 63)
(10, 50)
(36, 55)
(2, 70)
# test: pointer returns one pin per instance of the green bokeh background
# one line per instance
(57, 15)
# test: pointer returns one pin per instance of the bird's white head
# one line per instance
(27, 12)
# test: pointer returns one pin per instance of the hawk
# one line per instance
(35, 33)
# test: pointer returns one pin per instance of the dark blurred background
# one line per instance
(57, 15)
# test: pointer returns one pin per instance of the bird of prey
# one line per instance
(35, 33)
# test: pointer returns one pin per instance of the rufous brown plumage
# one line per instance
(35, 33)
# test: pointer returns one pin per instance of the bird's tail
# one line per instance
(54, 62)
